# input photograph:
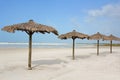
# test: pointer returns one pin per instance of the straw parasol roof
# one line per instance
(97, 37)
(73, 35)
(111, 38)
(30, 27)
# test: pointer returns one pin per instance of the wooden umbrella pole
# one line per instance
(30, 52)
(73, 48)
(97, 47)
(110, 46)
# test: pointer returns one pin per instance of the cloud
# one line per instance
(107, 10)
(105, 19)
(107, 13)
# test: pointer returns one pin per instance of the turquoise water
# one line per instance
(44, 45)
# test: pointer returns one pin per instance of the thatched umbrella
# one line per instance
(111, 38)
(73, 35)
(97, 37)
(30, 28)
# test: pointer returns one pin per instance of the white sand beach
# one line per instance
(57, 64)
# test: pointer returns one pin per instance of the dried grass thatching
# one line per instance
(112, 37)
(97, 36)
(73, 35)
(30, 26)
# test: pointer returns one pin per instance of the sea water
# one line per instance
(44, 45)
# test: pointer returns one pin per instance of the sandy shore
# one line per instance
(57, 64)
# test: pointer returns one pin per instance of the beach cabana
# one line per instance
(97, 37)
(30, 28)
(111, 38)
(73, 35)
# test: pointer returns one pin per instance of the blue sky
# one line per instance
(85, 16)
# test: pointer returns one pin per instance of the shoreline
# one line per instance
(55, 45)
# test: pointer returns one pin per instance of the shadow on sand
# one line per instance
(47, 62)
(80, 57)
(105, 53)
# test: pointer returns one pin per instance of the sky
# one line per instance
(85, 16)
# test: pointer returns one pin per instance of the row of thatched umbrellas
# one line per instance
(31, 27)
(98, 36)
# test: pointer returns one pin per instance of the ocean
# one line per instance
(44, 45)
